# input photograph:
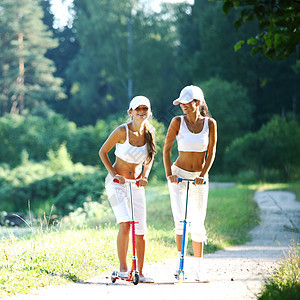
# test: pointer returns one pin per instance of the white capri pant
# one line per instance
(119, 199)
(197, 204)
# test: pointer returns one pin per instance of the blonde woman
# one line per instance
(135, 150)
(196, 135)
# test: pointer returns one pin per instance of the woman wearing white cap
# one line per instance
(196, 135)
(135, 150)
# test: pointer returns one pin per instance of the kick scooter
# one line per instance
(180, 274)
(133, 275)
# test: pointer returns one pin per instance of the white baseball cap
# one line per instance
(188, 94)
(139, 100)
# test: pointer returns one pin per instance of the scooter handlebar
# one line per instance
(183, 179)
(137, 182)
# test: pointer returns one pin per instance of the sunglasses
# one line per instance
(145, 108)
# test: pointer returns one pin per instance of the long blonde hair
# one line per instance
(203, 108)
(149, 137)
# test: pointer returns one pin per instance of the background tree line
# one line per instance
(67, 86)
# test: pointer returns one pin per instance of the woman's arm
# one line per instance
(146, 171)
(171, 134)
(117, 136)
(211, 150)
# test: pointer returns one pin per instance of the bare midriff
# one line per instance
(125, 168)
(190, 161)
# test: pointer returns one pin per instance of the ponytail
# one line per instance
(149, 137)
(204, 112)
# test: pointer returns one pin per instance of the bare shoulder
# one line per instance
(212, 122)
(174, 127)
(119, 134)
(176, 121)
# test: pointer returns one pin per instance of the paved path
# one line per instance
(236, 273)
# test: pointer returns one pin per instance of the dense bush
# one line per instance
(35, 135)
(272, 153)
(56, 182)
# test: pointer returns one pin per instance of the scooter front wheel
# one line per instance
(135, 278)
(181, 277)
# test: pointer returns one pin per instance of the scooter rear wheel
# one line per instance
(113, 276)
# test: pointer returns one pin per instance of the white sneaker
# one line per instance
(123, 274)
(201, 277)
(144, 279)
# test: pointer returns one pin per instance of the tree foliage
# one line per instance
(26, 74)
(207, 50)
(230, 105)
(123, 52)
(278, 33)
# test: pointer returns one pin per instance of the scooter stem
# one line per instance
(184, 228)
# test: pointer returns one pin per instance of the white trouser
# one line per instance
(197, 204)
(119, 198)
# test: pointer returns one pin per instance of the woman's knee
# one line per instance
(124, 228)
(140, 237)
(199, 236)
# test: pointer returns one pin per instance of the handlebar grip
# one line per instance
(182, 179)
(137, 182)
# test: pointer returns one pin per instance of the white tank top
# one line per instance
(129, 153)
(188, 141)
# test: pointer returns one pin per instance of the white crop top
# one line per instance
(192, 142)
(129, 153)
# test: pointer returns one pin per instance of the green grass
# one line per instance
(284, 283)
(71, 252)
(231, 213)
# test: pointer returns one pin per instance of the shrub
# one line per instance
(35, 135)
(56, 182)
(284, 283)
(272, 152)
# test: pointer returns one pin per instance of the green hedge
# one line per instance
(272, 153)
(56, 182)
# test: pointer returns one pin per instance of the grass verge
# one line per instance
(284, 283)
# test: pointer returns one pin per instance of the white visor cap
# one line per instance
(188, 94)
(139, 100)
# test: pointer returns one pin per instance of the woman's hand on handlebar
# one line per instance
(143, 181)
(119, 179)
(199, 181)
(173, 178)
